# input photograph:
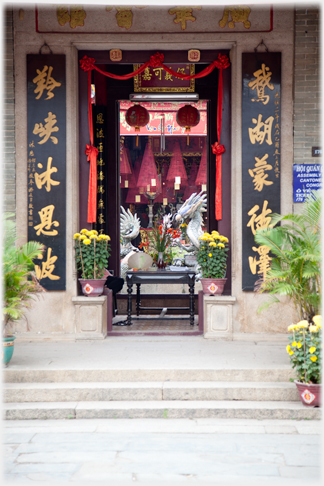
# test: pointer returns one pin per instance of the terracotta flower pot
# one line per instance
(213, 286)
(309, 393)
(92, 287)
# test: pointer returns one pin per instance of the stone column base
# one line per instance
(90, 317)
(218, 320)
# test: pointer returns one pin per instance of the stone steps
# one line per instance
(229, 409)
(11, 375)
(149, 391)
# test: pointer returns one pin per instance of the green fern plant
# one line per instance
(296, 264)
(19, 281)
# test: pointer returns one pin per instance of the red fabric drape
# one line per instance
(88, 64)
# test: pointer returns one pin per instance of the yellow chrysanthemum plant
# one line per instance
(92, 252)
(305, 349)
(212, 255)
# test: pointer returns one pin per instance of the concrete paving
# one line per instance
(169, 451)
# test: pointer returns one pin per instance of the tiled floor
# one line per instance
(154, 324)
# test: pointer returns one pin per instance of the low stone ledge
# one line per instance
(90, 317)
(218, 317)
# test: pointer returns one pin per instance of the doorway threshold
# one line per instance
(153, 326)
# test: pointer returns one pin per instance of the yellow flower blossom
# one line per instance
(301, 324)
(83, 237)
(212, 243)
(317, 321)
(221, 245)
(210, 255)
(86, 241)
(299, 345)
(291, 327)
(224, 239)
(291, 352)
(76, 236)
(83, 231)
(294, 344)
(93, 237)
(288, 348)
(94, 232)
(313, 328)
(313, 358)
(214, 232)
(312, 350)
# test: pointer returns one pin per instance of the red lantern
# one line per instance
(187, 117)
(137, 116)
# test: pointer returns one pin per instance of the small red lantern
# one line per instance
(137, 116)
(187, 117)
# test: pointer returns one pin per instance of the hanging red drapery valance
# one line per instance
(88, 64)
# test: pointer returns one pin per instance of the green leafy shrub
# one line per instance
(92, 252)
(212, 255)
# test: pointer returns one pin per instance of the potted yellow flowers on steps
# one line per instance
(91, 257)
(212, 259)
(305, 356)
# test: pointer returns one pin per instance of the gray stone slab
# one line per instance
(58, 456)
(11, 437)
(300, 472)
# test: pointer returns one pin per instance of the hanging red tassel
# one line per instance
(218, 150)
(92, 153)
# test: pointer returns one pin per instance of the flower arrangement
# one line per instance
(212, 255)
(161, 238)
(91, 253)
(305, 349)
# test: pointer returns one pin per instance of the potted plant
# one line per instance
(20, 284)
(91, 257)
(304, 349)
(295, 272)
(161, 237)
(212, 259)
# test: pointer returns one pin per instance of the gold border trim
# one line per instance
(139, 88)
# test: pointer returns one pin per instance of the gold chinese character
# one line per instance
(181, 70)
(100, 161)
(101, 176)
(238, 13)
(101, 204)
(124, 17)
(101, 219)
(100, 118)
(263, 262)
(77, 16)
(46, 130)
(31, 153)
(31, 144)
(258, 173)
(158, 72)
(257, 135)
(183, 14)
(101, 189)
(147, 75)
(63, 16)
(45, 177)
(168, 76)
(46, 215)
(47, 84)
(100, 133)
(100, 147)
(259, 222)
(261, 81)
(47, 267)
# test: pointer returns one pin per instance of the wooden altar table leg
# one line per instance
(129, 300)
(192, 298)
(138, 299)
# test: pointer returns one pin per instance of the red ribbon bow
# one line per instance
(86, 63)
(217, 148)
(92, 153)
(156, 60)
(222, 62)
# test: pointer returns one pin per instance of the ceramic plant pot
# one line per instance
(7, 349)
(92, 287)
(213, 286)
(309, 393)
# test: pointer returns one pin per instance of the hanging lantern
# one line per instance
(137, 116)
(187, 117)
(177, 175)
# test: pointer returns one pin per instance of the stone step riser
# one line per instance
(63, 376)
(71, 412)
(156, 394)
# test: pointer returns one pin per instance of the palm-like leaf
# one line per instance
(296, 263)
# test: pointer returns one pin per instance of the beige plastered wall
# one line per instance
(53, 315)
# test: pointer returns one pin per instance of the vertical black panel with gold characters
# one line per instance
(100, 141)
(261, 148)
(46, 165)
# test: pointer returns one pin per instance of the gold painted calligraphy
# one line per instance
(183, 15)
(239, 13)
(76, 18)
(124, 17)
(48, 267)
(262, 131)
(258, 173)
(45, 177)
(264, 260)
(45, 81)
(45, 226)
(47, 130)
(261, 81)
(259, 222)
